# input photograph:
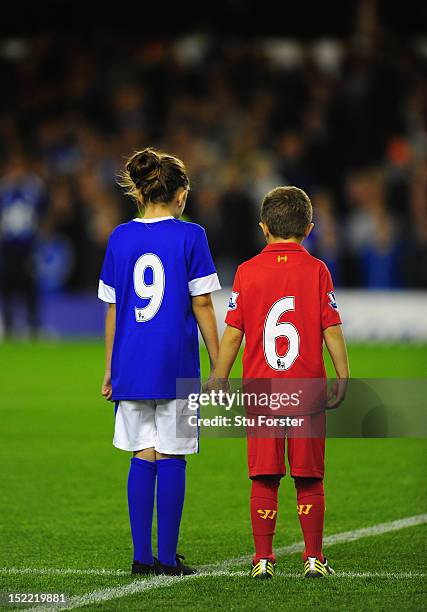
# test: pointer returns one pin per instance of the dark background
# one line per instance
(330, 97)
(295, 18)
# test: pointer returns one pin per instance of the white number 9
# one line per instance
(153, 292)
(273, 330)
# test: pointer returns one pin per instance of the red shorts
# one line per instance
(306, 456)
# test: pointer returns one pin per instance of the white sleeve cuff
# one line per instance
(206, 284)
(106, 293)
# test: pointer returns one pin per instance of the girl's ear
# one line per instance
(182, 197)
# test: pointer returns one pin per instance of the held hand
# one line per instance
(107, 390)
(216, 384)
(336, 395)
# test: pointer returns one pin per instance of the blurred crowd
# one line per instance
(345, 120)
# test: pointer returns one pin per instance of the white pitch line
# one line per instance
(394, 575)
(62, 571)
(137, 586)
(336, 538)
(141, 585)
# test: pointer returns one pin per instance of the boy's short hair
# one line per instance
(287, 211)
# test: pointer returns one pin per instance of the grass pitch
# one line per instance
(63, 501)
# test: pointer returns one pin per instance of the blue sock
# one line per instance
(141, 488)
(170, 502)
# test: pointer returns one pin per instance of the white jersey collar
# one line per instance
(139, 220)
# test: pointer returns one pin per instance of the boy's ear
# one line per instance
(308, 230)
(264, 229)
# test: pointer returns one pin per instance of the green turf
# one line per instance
(290, 593)
(63, 498)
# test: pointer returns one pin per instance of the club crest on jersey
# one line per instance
(282, 259)
(139, 315)
(332, 300)
(232, 302)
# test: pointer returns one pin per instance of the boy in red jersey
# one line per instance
(283, 302)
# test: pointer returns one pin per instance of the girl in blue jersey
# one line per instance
(157, 278)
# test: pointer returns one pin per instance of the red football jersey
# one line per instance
(282, 300)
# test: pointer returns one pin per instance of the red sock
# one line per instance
(311, 512)
(264, 515)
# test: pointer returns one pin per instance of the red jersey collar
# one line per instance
(283, 246)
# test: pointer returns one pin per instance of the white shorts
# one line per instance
(152, 424)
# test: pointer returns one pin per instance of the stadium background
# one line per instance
(333, 101)
(342, 115)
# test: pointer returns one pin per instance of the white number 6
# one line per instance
(273, 330)
(153, 292)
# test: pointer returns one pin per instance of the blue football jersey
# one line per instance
(151, 270)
